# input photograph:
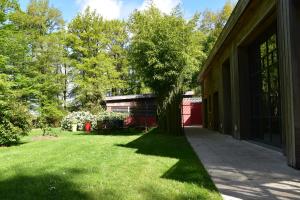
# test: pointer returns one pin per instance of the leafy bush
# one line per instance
(43, 124)
(15, 121)
(105, 119)
(106, 115)
(80, 118)
(111, 120)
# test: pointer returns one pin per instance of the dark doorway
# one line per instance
(265, 91)
(216, 119)
(227, 98)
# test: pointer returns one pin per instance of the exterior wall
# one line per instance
(246, 26)
(212, 84)
(142, 111)
(289, 31)
(191, 112)
(244, 33)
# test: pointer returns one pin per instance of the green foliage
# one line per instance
(79, 118)
(212, 24)
(39, 19)
(15, 121)
(43, 124)
(98, 53)
(6, 7)
(166, 51)
(106, 115)
(103, 119)
(111, 120)
(40, 74)
(43, 65)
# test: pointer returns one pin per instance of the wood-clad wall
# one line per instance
(255, 19)
(289, 49)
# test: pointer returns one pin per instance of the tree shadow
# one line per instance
(19, 143)
(121, 132)
(44, 186)
(188, 169)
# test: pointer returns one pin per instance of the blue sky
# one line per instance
(112, 9)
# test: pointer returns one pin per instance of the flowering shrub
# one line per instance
(80, 118)
(104, 119)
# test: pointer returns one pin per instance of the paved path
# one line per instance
(243, 170)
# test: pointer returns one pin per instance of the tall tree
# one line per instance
(14, 116)
(99, 55)
(43, 85)
(166, 51)
(13, 47)
(213, 22)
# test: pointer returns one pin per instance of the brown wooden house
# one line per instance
(141, 109)
(251, 80)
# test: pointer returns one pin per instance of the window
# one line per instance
(265, 90)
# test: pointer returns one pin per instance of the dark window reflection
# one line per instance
(264, 75)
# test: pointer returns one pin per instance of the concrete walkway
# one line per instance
(243, 170)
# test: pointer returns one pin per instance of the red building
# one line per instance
(191, 112)
(142, 109)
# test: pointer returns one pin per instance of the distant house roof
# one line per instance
(140, 96)
(193, 99)
(130, 97)
(231, 23)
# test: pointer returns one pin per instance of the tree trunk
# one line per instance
(169, 116)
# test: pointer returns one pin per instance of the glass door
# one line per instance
(265, 92)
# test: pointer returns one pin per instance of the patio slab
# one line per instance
(243, 170)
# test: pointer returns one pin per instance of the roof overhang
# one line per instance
(231, 23)
(130, 97)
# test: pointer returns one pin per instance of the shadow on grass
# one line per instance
(44, 186)
(188, 169)
(19, 143)
(123, 132)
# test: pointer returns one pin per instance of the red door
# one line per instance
(196, 114)
(191, 113)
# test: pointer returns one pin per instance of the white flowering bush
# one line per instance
(104, 119)
(80, 118)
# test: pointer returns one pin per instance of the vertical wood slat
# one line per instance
(235, 92)
(290, 81)
(295, 50)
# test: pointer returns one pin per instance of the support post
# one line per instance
(289, 56)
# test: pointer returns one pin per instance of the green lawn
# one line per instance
(121, 166)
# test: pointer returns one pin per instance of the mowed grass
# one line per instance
(121, 166)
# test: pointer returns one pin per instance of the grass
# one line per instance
(119, 167)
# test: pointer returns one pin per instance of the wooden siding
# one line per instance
(249, 20)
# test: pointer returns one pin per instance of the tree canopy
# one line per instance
(48, 67)
(98, 53)
(166, 50)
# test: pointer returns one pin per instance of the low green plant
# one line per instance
(45, 127)
(15, 122)
(111, 120)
